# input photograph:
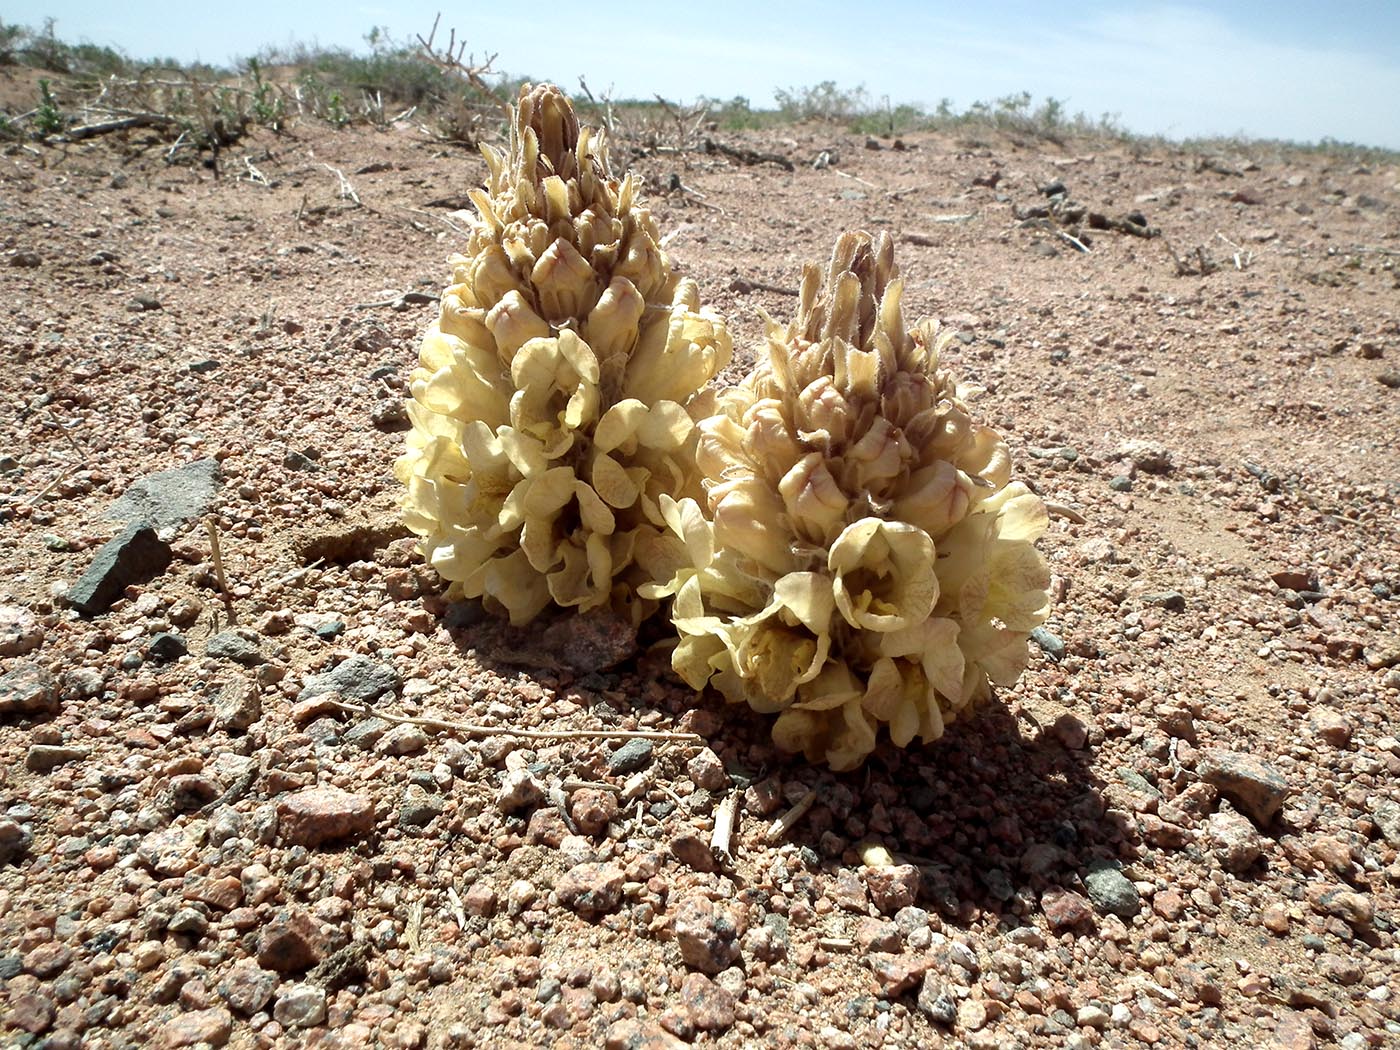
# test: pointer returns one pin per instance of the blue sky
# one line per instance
(1286, 69)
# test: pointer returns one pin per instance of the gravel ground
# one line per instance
(295, 807)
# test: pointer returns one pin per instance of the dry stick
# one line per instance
(783, 824)
(347, 192)
(217, 557)
(1061, 510)
(254, 175)
(855, 178)
(458, 912)
(403, 297)
(468, 729)
(1074, 241)
(726, 815)
(744, 285)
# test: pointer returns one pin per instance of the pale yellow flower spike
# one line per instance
(864, 565)
(557, 393)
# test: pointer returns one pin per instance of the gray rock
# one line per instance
(359, 680)
(1386, 814)
(132, 556)
(300, 1006)
(632, 756)
(1251, 783)
(419, 807)
(43, 758)
(1111, 891)
(189, 921)
(238, 704)
(936, 1001)
(170, 498)
(28, 689)
(230, 645)
(1052, 644)
(367, 733)
(1172, 601)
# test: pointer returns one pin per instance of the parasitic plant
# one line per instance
(860, 559)
(555, 404)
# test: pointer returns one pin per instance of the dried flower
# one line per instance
(860, 559)
(557, 392)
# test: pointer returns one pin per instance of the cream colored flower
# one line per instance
(557, 393)
(860, 562)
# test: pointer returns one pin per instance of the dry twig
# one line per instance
(783, 824)
(726, 818)
(467, 729)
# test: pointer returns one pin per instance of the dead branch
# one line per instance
(347, 192)
(855, 178)
(399, 300)
(467, 729)
(744, 285)
(744, 155)
(104, 127)
(1074, 241)
(454, 59)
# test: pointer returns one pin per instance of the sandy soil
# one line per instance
(1179, 829)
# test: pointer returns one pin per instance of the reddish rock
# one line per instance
(290, 942)
(893, 887)
(546, 827)
(224, 894)
(1353, 908)
(593, 809)
(1168, 904)
(248, 987)
(479, 900)
(693, 851)
(707, 935)
(1292, 1033)
(317, 815)
(1064, 909)
(710, 1007)
(707, 771)
(640, 1035)
(211, 1026)
(591, 888)
(31, 1012)
(876, 935)
(897, 974)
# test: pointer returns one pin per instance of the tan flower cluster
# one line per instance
(557, 394)
(861, 559)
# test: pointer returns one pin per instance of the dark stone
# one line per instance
(134, 555)
(359, 680)
(166, 647)
(1051, 643)
(169, 498)
(632, 756)
(230, 645)
(1172, 601)
(329, 631)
